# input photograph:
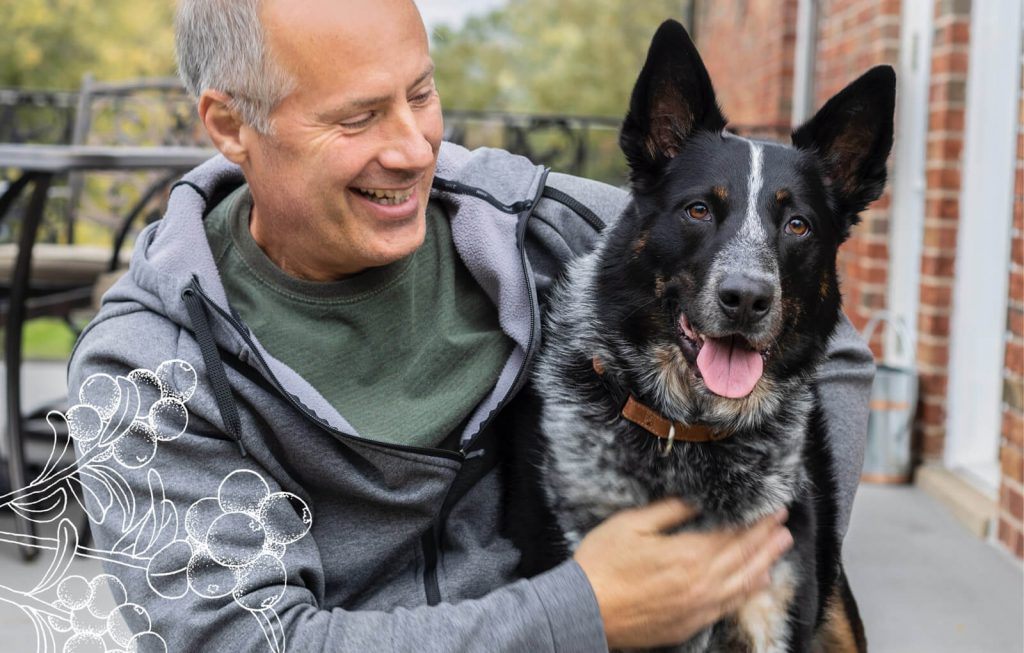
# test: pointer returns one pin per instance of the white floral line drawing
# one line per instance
(233, 542)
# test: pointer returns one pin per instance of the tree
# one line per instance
(51, 43)
(578, 57)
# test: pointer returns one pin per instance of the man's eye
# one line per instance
(356, 122)
(798, 226)
(699, 211)
(422, 98)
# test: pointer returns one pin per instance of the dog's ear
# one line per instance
(671, 100)
(852, 136)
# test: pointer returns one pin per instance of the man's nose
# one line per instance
(408, 147)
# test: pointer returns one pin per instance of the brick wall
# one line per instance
(854, 35)
(1011, 491)
(947, 100)
(748, 48)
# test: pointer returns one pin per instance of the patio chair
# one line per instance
(68, 277)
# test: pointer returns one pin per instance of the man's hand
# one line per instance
(656, 589)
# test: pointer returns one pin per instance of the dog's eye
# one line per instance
(699, 211)
(798, 227)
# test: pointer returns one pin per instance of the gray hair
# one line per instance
(221, 45)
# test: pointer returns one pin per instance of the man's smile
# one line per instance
(387, 197)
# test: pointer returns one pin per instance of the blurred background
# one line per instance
(937, 264)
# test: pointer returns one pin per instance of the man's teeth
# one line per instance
(386, 197)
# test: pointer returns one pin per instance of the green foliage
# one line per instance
(577, 57)
(51, 43)
(45, 339)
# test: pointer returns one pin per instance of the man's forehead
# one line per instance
(331, 46)
(313, 18)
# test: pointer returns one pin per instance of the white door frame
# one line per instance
(977, 344)
(908, 182)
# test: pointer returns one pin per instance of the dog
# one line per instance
(680, 354)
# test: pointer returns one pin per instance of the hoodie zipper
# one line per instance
(431, 542)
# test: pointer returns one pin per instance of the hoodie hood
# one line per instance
(487, 194)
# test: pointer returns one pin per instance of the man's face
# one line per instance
(342, 182)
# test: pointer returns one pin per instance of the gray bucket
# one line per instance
(893, 404)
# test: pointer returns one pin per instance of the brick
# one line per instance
(943, 178)
(1013, 502)
(946, 119)
(945, 149)
(936, 295)
(933, 442)
(1014, 359)
(1012, 463)
(933, 384)
(934, 324)
(932, 411)
(1012, 538)
(1013, 428)
(1013, 393)
(1015, 321)
(1017, 285)
(938, 265)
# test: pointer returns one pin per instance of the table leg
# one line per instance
(12, 351)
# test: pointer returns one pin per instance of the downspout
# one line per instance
(803, 60)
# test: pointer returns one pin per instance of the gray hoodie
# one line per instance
(271, 523)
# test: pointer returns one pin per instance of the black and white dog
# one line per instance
(680, 354)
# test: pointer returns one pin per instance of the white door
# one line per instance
(983, 244)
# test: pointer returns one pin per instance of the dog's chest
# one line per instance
(593, 470)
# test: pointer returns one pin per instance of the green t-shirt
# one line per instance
(404, 352)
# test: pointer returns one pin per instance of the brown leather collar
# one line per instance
(660, 426)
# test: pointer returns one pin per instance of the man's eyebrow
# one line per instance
(367, 103)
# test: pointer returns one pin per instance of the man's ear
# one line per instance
(672, 99)
(851, 136)
(223, 124)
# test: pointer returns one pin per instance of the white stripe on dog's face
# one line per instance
(752, 230)
(749, 251)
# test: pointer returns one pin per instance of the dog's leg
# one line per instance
(763, 620)
(841, 630)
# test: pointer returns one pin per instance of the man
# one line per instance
(356, 336)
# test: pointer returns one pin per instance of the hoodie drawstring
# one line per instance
(214, 366)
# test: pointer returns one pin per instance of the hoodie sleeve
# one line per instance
(178, 534)
(844, 383)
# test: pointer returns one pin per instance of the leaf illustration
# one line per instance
(37, 506)
(125, 413)
(168, 524)
(67, 544)
(272, 629)
(146, 534)
(93, 509)
(53, 418)
(162, 512)
(45, 641)
(97, 487)
(121, 491)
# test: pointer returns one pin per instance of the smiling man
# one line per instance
(361, 304)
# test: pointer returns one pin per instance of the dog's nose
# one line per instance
(745, 299)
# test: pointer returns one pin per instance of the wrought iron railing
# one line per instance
(578, 145)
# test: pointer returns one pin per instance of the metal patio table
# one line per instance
(37, 166)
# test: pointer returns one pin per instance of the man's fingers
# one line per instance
(661, 515)
(752, 575)
(739, 548)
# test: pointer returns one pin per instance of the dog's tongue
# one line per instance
(729, 367)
